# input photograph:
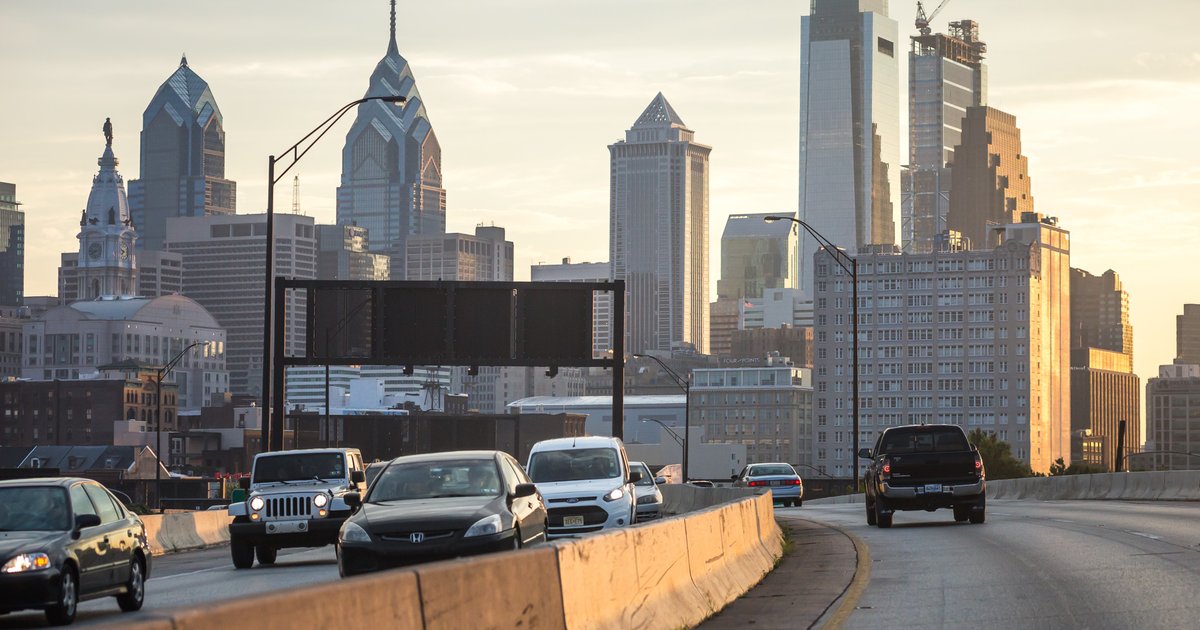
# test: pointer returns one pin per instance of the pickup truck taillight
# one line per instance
(887, 467)
(978, 464)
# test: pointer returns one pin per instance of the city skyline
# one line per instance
(532, 107)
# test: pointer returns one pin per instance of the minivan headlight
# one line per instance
(26, 562)
(485, 526)
(614, 494)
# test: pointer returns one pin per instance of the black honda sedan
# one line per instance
(441, 505)
(66, 540)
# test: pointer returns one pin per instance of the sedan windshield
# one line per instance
(34, 508)
(435, 480)
(574, 465)
(306, 467)
(763, 471)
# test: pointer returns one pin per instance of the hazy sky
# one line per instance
(526, 94)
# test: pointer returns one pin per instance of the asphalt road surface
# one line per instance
(1033, 564)
(200, 577)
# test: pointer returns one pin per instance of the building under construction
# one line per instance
(946, 76)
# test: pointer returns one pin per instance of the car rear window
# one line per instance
(778, 469)
(924, 440)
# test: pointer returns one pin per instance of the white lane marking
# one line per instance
(1143, 535)
(1062, 520)
(175, 575)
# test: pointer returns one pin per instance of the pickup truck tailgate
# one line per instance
(933, 454)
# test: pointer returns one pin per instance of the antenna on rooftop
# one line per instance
(296, 195)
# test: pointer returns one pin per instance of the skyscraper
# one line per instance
(222, 270)
(658, 230)
(1187, 335)
(105, 264)
(343, 253)
(484, 256)
(183, 158)
(946, 75)
(1100, 312)
(991, 186)
(12, 247)
(756, 255)
(849, 126)
(392, 164)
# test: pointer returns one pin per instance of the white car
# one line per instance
(586, 482)
(649, 497)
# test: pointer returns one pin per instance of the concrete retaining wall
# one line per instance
(668, 574)
(1175, 485)
(186, 530)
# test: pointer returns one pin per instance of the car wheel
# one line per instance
(977, 516)
(242, 553)
(798, 502)
(63, 612)
(135, 588)
(266, 554)
(961, 514)
(882, 519)
(870, 514)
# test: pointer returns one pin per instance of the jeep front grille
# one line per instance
(293, 506)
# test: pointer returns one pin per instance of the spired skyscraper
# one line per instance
(658, 230)
(392, 164)
(849, 126)
(183, 158)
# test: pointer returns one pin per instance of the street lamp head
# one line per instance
(395, 100)
(638, 356)
(772, 219)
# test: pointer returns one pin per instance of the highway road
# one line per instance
(1063, 564)
(1033, 564)
(200, 577)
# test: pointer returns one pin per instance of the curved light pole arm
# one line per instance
(323, 128)
(679, 380)
(674, 435)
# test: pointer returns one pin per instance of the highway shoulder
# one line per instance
(817, 578)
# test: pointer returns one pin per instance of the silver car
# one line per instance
(649, 497)
(780, 478)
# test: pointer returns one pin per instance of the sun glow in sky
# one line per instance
(526, 94)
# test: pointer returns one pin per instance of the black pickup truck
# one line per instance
(924, 467)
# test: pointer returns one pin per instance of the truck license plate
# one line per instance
(933, 487)
(572, 521)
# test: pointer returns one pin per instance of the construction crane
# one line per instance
(296, 195)
(922, 22)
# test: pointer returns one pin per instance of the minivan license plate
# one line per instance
(572, 521)
(933, 487)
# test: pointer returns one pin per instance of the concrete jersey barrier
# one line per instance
(186, 530)
(1173, 485)
(664, 575)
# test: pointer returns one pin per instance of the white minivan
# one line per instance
(586, 483)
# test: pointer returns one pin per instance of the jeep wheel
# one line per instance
(266, 554)
(242, 552)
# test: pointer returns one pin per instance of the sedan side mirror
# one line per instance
(524, 490)
(635, 476)
(353, 499)
(86, 520)
(358, 476)
(865, 453)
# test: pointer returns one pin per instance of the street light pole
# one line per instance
(849, 264)
(273, 440)
(686, 385)
(162, 373)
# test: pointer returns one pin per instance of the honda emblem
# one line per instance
(416, 537)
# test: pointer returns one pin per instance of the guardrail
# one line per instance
(667, 574)
(1173, 485)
